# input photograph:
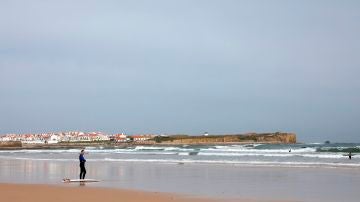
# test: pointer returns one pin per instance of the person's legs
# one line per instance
(82, 171)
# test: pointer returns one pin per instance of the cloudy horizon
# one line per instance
(181, 67)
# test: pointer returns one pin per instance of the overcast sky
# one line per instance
(181, 67)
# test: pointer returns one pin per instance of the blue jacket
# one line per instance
(82, 159)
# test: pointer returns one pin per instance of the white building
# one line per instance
(53, 139)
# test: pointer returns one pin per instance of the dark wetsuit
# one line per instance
(82, 166)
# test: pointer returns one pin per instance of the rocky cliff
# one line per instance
(285, 138)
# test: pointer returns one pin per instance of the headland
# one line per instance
(121, 140)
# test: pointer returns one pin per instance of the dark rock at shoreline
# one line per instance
(10, 144)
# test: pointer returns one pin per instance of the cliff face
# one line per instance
(288, 138)
(285, 138)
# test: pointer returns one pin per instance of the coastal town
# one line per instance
(77, 137)
(74, 137)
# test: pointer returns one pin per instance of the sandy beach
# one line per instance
(45, 193)
(39, 180)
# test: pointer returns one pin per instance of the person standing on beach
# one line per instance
(82, 164)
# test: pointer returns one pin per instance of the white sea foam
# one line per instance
(315, 155)
(148, 148)
(244, 154)
(274, 163)
(177, 149)
(171, 148)
(248, 163)
(183, 153)
(145, 152)
(324, 155)
(244, 149)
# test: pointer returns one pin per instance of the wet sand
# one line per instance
(224, 182)
(45, 193)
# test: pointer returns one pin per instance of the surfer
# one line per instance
(350, 155)
(82, 164)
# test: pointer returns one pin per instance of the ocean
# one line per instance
(283, 155)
